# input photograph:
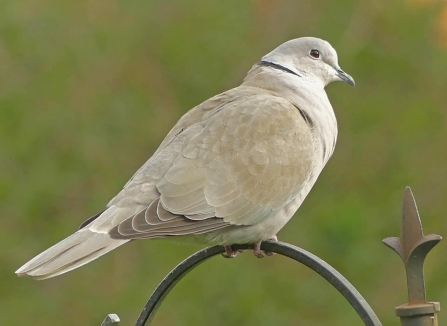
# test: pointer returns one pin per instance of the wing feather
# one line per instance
(238, 163)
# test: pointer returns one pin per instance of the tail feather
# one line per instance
(87, 244)
(72, 252)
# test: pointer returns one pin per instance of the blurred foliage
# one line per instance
(89, 88)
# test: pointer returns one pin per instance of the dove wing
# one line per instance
(234, 161)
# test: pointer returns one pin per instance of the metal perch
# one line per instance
(412, 246)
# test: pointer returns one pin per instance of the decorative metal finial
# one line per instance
(413, 246)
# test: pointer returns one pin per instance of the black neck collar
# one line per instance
(277, 66)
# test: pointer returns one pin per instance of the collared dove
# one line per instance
(233, 170)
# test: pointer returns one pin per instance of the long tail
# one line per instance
(78, 249)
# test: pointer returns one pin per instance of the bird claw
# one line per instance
(262, 253)
(259, 253)
(230, 253)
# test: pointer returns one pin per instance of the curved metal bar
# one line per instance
(306, 258)
(171, 280)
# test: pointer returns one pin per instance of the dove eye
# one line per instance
(314, 54)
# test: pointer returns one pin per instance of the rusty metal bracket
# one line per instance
(315, 263)
(413, 246)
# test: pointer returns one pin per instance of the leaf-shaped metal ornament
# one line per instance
(413, 246)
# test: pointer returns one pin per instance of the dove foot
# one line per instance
(261, 253)
(230, 253)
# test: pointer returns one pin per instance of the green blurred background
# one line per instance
(88, 89)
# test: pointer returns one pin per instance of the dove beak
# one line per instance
(344, 76)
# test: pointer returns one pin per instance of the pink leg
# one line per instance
(230, 253)
(260, 253)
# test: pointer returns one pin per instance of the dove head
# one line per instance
(310, 58)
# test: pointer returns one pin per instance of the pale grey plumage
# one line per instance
(234, 169)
